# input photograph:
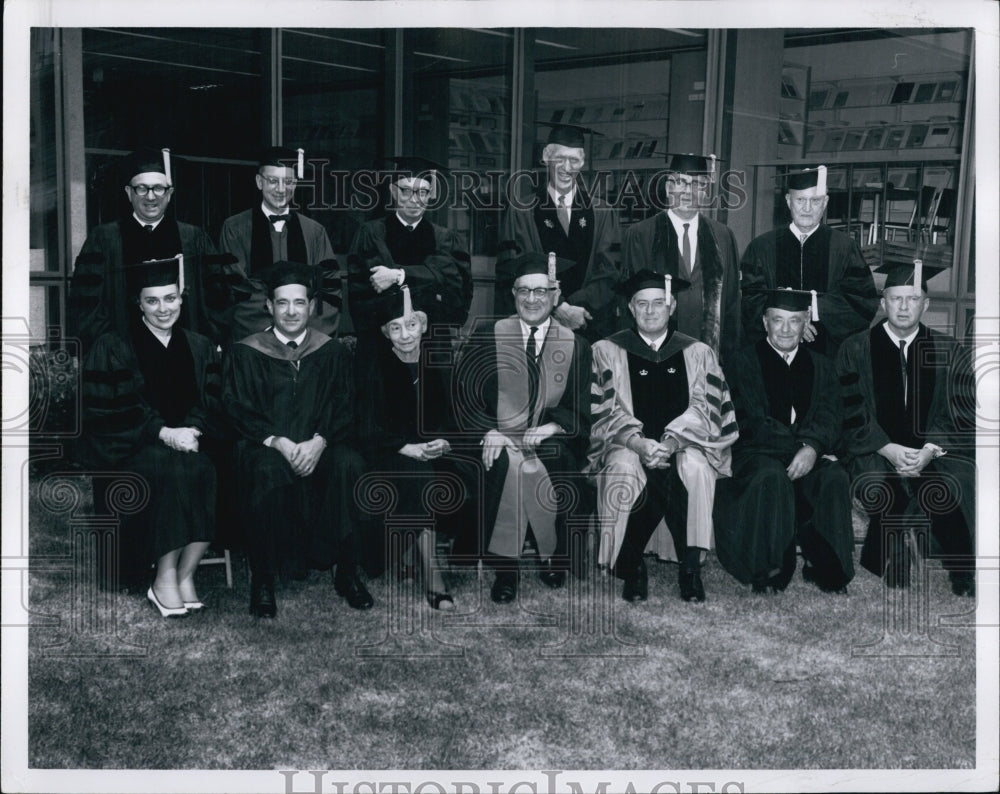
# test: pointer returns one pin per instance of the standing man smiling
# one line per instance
(809, 255)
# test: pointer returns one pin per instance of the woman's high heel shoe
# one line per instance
(165, 612)
(442, 601)
(194, 606)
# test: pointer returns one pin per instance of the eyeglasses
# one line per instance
(911, 300)
(802, 202)
(275, 181)
(406, 193)
(156, 190)
(537, 293)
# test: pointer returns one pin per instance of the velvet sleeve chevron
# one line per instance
(612, 422)
(862, 433)
(207, 414)
(709, 422)
(117, 421)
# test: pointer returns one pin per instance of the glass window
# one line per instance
(43, 218)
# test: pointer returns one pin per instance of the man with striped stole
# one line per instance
(662, 427)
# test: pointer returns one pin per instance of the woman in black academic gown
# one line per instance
(150, 401)
(403, 414)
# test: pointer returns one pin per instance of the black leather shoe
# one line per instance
(350, 587)
(692, 588)
(637, 587)
(963, 583)
(551, 576)
(504, 589)
(262, 603)
(824, 583)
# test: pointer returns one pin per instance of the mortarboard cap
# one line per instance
(906, 275)
(155, 273)
(791, 300)
(692, 163)
(805, 179)
(282, 273)
(569, 135)
(396, 302)
(147, 161)
(283, 157)
(510, 270)
(650, 279)
(411, 166)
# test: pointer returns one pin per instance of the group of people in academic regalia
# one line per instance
(661, 396)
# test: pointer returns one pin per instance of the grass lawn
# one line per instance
(567, 679)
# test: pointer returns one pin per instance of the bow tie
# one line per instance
(277, 218)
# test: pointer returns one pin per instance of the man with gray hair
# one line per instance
(565, 219)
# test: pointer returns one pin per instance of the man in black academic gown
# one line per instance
(274, 232)
(99, 301)
(787, 486)
(683, 241)
(522, 385)
(663, 424)
(289, 393)
(909, 431)
(403, 247)
(809, 255)
(565, 219)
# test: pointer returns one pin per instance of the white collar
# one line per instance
(570, 195)
(163, 337)
(285, 340)
(791, 355)
(678, 222)
(144, 224)
(897, 339)
(543, 329)
(268, 213)
(654, 343)
(797, 232)
(407, 223)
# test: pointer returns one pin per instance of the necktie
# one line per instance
(277, 218)
(149, 228)
(686, 249)
(786, 356)
(563, 212)
(292, 344)
(532, 348)
(902, 366)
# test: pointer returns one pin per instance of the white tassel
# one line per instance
(552, 266)
(166, 166)
(667, 279)
(821, 181)
(180, 273)
(301, 170)
(918, 273)
(815, 307)
(407, 303)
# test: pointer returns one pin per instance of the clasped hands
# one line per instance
(653, 454)
(384, 277)
(428, 450)
(302, 457)
(907, 461)
(494, 441)
(182, 439)
(573, 317)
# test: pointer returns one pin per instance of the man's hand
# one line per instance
(383, 277)
(493, 443)
(306, 454)
(573, 317)
(916, 461)
(802, 463)
(902, 458)
(652, 454)
(809, 334)
(182, 439)
(436, 448)
(534, 436)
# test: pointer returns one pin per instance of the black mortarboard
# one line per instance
(283, 157)
(284, 272)
(570, 135)
(154, 273)
(906, 275)
(147, 161)
(392, 303)
(411, 166)
(692, 163)
(805, 179)
(510, 270)
(650, 279)
(791, 300)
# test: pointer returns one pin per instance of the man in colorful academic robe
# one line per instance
(662, 428)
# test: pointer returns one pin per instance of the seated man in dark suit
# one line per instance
(289, 392)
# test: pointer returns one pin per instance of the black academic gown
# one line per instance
(940, 411)
(475, 386)
(760, 513)
(271, 390)
(830, 262)
(123, 416)
(99, 301)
